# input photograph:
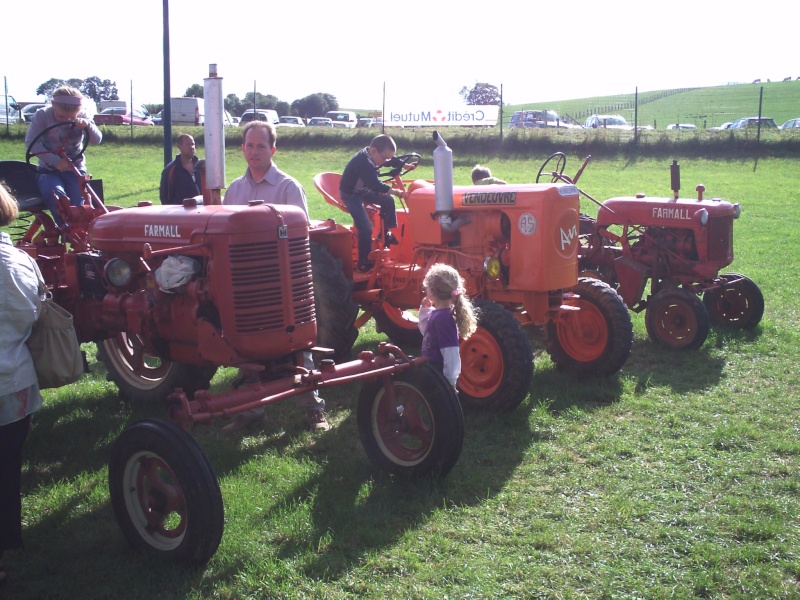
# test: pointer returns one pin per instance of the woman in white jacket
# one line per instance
(20, 305)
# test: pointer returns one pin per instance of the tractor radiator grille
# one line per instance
(261, 301)
(720, 238)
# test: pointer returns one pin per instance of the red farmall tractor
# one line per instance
(247, 301)
(678, 246)
(516, 247)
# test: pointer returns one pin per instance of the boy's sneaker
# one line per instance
(390, 240)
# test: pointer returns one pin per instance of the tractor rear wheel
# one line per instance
(418, 430)
(677, 318)
(400, 326)
(164, 493)
(333, 303)
(595, 340)
(740, 304)
(143, 377)
(496, 361)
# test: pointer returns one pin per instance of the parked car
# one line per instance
(752, 123)
(320, 122)
(288, 121)
(9, 113)
(121, 116)
(682, 126)
(723, 127)
(539, 119)
(607, 122)
(156, 118)
(791, 124)
(259, 114)
(30, 109)
(342, 118)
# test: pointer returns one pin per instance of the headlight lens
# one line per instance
(492, 267)
(117, 272)
(702, 216)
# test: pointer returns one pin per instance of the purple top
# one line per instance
(441, 332)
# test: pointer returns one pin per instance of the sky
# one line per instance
(421, 53)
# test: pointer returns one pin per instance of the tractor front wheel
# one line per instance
(596, 339)
(496, 361)
(739, 304)
(414, 428)
(143, 377)
(164, 493)
(677, 319)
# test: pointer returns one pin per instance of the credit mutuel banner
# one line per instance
(462, 116)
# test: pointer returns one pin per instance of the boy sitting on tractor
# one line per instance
(360, 184)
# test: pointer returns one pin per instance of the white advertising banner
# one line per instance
(470, 115)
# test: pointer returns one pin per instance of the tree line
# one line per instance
(99, 89)
(313, 105)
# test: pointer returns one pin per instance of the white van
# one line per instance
(9, 113)
(259, 114)
(188, 111)
(342, 118)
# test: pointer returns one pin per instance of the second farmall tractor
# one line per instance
(676, 245)
(516, 247)
(169, 294)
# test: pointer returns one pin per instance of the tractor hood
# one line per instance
(174, 226)
(662, 212)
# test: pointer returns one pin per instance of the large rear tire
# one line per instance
(739, 304)
(677, 319)
(164, 493)
(417, 433)
(595, 340)
(400, 326)
(496, 361)
(143, 377)
(333, 303)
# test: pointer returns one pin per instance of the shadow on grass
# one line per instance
(75, 548)
(354, 511)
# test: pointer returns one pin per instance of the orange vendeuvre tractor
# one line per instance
(516, 247)
(169, 294)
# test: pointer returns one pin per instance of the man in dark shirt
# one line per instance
(360, 184)
(180, 179)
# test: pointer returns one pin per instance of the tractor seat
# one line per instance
(20, 179)
(328, 186)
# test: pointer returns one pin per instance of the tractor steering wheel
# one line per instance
(407, 163)
(561, 162)
(60, 150)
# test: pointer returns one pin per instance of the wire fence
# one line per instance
(704, 108)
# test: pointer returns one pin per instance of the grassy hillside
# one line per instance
(710, 105)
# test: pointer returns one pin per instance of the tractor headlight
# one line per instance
(737, 211)
(117, 272)
(702, 216)
(492, 267)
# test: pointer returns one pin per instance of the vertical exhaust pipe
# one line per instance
(214, 137)
(443, 181)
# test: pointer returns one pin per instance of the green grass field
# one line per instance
(675, 478)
